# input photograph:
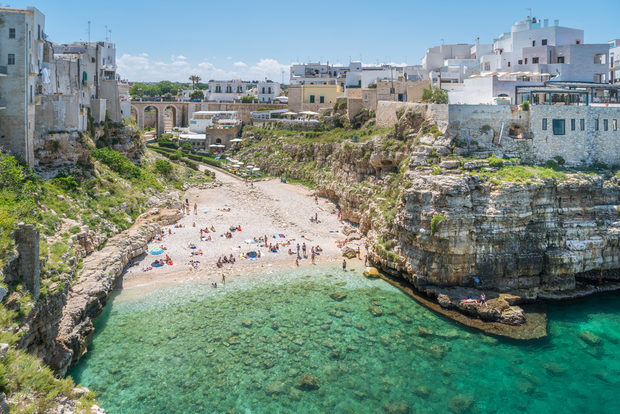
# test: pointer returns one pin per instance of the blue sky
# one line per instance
(248, 39)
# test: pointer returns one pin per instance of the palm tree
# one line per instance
(195, 79)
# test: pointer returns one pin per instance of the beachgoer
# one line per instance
(483, 299)
(297, 261)
(297, 249)
(195, 208)
(316, 199)
(290, 252)
(312, 257)
(366, 260)
(223, 278)
(344, 264)
(303, 248)
(169, 231)
(316, 217)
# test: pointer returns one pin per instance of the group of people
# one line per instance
(302, 250)
(225, 260)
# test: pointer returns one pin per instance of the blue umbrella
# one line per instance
(157, 250)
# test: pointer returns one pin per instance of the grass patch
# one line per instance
(435, 221)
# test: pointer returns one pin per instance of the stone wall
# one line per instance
(28, 265)
(387, 112)
(576, 146)
(59, 113)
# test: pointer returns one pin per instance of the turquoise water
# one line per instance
(244, 348)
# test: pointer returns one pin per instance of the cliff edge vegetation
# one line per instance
(75, 208)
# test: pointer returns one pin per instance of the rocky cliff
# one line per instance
(448, 219)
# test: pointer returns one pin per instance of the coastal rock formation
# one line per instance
(440, 221)
(543, 235)
(99, 276)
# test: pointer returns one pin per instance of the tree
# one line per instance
(435, 94)
(197, 95)
(249, 99)
(195, 79)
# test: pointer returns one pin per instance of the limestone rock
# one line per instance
(308, 382)
(4, 348)
(396, 407)
(337, 296)
(371, 272)
(589, 338)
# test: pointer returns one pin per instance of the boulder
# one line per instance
(349, 253)
(371, 272)
(337, 296)
(396, 407)
(308, 382)
(4, 348)
(375, 310)
(589, 338)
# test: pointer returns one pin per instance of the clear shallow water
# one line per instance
(186, 350)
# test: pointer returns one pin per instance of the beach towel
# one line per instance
(205, 210)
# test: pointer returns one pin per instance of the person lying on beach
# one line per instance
(290, 252)
(231, 259)
(213, 229)
(225, 260)
(219, 262)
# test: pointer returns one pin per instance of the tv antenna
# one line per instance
(89, 31)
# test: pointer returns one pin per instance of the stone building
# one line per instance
(22, 37)
(48, 87)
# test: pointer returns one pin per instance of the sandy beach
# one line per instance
(265, 208)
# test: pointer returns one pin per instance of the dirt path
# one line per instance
(263, 209)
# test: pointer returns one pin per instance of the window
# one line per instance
(12, 33)
(487, 66)
(544, 42)
(269, 89)
(533, 43)
(577, 42)
(508, 64)
(526, 61)
(229, 89)
(31, 96)
(544, 124)
(321, 99)
(559, 127)
(535, 60)
(596, 124)
(605, 125)
(218, 89)
(311, 98)
(11, 59)
(572, 124)
(614, 124)
(520, 62)
(582, 124)
(392, 91)
(560, 59)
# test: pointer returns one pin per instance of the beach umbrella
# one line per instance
(157, 250)
(240, 163)
(309, 113)
(236, 140)
(256, 169)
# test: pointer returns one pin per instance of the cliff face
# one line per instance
(538, 236)
(533, 236)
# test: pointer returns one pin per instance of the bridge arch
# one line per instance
(152, 118)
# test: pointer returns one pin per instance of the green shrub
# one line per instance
(11, 173)
(435, 94)
(495, 162)
(437, 218)
(74, 230)
(525, 105)
(164, 141)
(559, 160)
(163, 167)
(67, 183)
(117, 162)
(187, 147)
(551, 164)
(436, 171)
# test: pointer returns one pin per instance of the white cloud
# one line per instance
(178, 68)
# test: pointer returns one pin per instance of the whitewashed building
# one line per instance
(267, 91)
(228, 91)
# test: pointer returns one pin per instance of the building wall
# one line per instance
(18, 88)
(299, 97)
(109, 92)
(59, 113)
(576, 147)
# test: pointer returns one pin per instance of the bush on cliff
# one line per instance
(437, 218)
(117, 162)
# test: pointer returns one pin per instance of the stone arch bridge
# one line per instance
(183, 111)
